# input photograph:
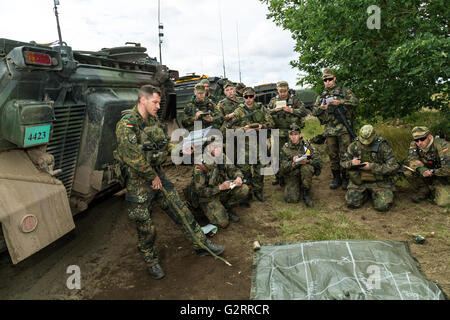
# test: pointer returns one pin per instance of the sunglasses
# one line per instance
(328, 79)
(249, 97)
(421, 139)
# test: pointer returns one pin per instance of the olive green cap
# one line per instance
(327, 72)
(248, 90)
(205, 81)
(366, 134)
(282, 85)
(420, 131)
(228, 84)
(200, 88)
(240, 86)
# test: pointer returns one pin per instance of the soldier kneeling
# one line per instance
(299, 163)
(216, 186)
(371, 164)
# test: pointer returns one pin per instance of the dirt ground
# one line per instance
(104, 247)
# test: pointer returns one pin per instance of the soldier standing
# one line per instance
(430, 158)
(338, 136)
(372, 167)
(285, 110)
(299, 163)
(145, 178)
(200, 109)
(216, 187)
(226, 107)
(252, 116)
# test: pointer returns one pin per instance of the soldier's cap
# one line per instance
(205, 81)
(200, 88)
(295, 128)
(420, 131)
(327, 72)
(228, 84)
(366, 134)
(240, 86)
(282, 85)
(248, 90)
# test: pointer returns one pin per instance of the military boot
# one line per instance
(259, 195)
(216, 249)
(282, 181)
(307, 198)
(420, 197)
(156, 272)
(344, 179)
(276, 181)
(336, 179)
(232, 215)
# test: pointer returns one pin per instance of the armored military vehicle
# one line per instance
(58, 112)
(265, 92)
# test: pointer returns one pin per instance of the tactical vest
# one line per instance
(283, 119)
(432, 159)
(254, 115)
(338, 94)
(368, 154)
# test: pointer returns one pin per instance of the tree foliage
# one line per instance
(394, 70)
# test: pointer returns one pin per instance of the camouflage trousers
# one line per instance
(381, 192)
(140, 198)
(283, 139)
(252, 173)
(437, 187)
(336, 148)
(215, 209)
(299, 178)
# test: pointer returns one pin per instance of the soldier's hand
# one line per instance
(208, 118)
(427, 174)
(324, 106)
(335, 102)
(356, 161)
(295, 158)
(246, 128)
(197, 114)
(238, 182)
(288, 109)
(229, 116)
(366, 167)
(224, 186)
(156, 183)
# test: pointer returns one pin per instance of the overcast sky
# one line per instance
(191, 43)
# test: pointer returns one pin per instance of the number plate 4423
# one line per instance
(36, 135)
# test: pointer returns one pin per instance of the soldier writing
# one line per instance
(372, 165)
(430, 158)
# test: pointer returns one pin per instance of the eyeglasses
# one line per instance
(421, 139)
(328, 79)
(249, 97)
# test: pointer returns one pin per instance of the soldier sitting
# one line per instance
(299, 162)
(215, 188)
(372, 165)
(430, 157)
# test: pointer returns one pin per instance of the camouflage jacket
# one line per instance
(133, 132)
(206, 178)
(334, 127)
(258, 114)
(380, 156)
(227, 106)
(193, 107)
(283, 119)
(437, 157)
(289, 150)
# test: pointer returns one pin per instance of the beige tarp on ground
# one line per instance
(25, 190)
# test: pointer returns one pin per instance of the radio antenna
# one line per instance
(55, 9)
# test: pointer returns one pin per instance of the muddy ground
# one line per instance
(104, 247)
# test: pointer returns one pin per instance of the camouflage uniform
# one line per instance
(244, 116)
(193, 107)
(225, 107)
(239, 86)
(300, 175)
(283, 119)
(204, 191)
(337, 135)
(378, 181)
(437, 158)
(132, 131)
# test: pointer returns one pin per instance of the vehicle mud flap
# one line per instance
(34, 208)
